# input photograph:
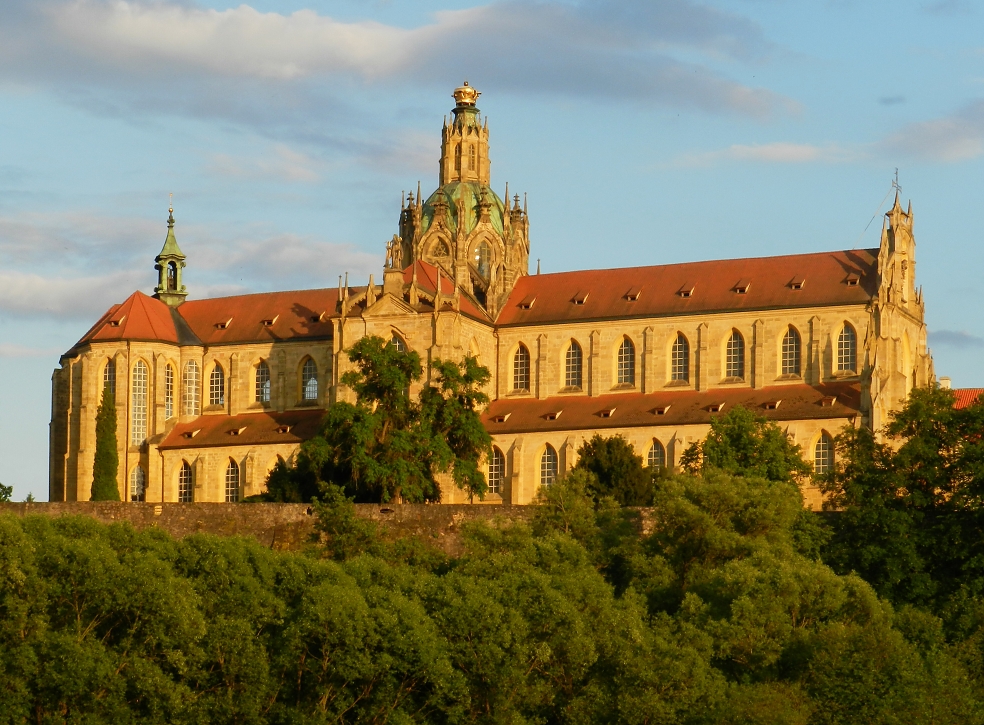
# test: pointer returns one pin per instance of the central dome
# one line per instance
(471, 193)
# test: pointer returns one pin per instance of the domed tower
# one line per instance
(464, 227)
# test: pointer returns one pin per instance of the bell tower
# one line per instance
(464, 227)
(465, 143)
(170, 263)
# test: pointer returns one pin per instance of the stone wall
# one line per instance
(282, 526)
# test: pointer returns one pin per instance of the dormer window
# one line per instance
(742, 286)
(661, 409)
(633, 294)
(828, 401)
(270, 322)
(797, 282)
(191, 433)
(283, 429)
(772, 404)
(319, 318)
(237, 431)
(579, 298)
(553, 416)
(853, 279)
(501, 418)
(607, 413)
(118, 321)
(715, 407)
(527, 302)
(223, 325)
(686, 290)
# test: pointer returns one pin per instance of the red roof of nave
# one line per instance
(251, 429)
(966, 397)
(714, 284)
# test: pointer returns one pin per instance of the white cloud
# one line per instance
(11, 350)
(779, 152)
(955, 338)
(131, 55)
(953, 138)
(33, 295)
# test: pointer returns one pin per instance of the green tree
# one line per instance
(745, 444)
(388, 445)
(5, 493)
(618, 471)
(106, 463)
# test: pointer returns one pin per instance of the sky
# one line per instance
(642, 131)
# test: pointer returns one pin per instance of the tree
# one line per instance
(617, 470)
(5, 493)
(388, 445)
(106, 463)
(745, 444)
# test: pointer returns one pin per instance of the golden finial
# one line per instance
(465, 95)
(170, 203)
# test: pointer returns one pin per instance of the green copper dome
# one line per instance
(472, 194)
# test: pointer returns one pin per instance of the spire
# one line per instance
(169, 264)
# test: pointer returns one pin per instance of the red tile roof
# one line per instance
(295, 314)
(966, 397)
(714, 286)
(628, 410)
(427, 280)
(255, 429)
(139, 317)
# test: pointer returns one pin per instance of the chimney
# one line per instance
(946, 383)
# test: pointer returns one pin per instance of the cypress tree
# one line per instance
(107, 460)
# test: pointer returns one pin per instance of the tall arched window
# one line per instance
(735, 362)
(109, 376)
(521, 369)
(168, 392)
(497, 469)
(138, 484)
(472, 157)
(172, 276)
(548, 466)
(398, 343)
(457, 157)
(847, 350)
(309, 380)
(262, 382)
(232, 482)
(625, 368)
(657, 457)
(186, 484)
(138, 404)
(823, 454)
(680, 359)
(216, 386)
(190, 386)
(572, 371)
(791, 352)
(483, 259)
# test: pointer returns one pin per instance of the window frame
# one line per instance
(791, 355)
(574, 366)
(139, 386)
(653, 462)
(186, 483)
(496, 471)
(216, 386)
(191, 388)
(168, 391)
(233, 482)
(262, 383)
(734, 356)
(137, 476)
(521, 369)
(549, 465)
(309, 380)
(847, 349)
(625, 363)
(823, 453)
(680, 359)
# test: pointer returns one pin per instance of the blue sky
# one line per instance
(643, 131)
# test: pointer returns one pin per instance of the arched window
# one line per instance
(521, 369)
(309, 380)
(548, 466)
(472, 156)
(625, 368)
(398, 343)
(735, 358)
(172, 276)
(483, 259)
(232, 482)
(168, 392)
(262, 382)
(457, 157)
(186, 484)
(109, 376)
(138, 404)
(847, 350)
(657, 457)
(497, 469)
(190, 387)
(791, 352)
(572, 371)
(823, 454)
(680, 359)
(216, 386)
(138, 484)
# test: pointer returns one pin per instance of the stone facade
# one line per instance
(815, 342)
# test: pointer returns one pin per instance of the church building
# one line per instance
(211, 393)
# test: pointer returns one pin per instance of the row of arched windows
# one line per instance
(790, 362)
(656, 460)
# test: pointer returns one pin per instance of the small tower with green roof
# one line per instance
(170, 262)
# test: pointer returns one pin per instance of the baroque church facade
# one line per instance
(211, 393)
